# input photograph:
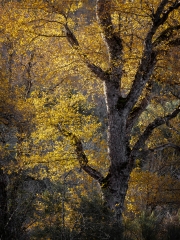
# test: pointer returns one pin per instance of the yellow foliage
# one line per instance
(147, 189)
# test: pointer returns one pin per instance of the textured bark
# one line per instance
(121, 112)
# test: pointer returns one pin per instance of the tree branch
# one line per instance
(148, 60)
(113, 41)
(47, 35)
(158, 148)
(137, 111)
(165, 35)
(81, 156)
(83, 160)
(160, 17)
(142, 76)
(71, 37)
(97, 70)
(156, 17)
(29, 77)
(111, 38)
(75, 44)
(148, 131)
(162, 147)
(93, 173)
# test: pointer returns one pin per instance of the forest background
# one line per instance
(51, 100)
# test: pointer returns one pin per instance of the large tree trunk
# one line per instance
(114, 186)
(114, 190)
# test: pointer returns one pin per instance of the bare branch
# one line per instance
(83, 160)
(148, 131)
(44, 20)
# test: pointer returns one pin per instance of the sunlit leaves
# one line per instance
(55, 113)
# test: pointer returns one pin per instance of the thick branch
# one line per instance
(75, 44)
(81, 156)
(146, 134)
(156, 17)
(112, 40)
(142, 76)
(96, 70)
(137, 111)
(71, 37)
(161, 16)
(93, 173)
(83, 161)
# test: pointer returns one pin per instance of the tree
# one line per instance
(124, 111)
(135, 38)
